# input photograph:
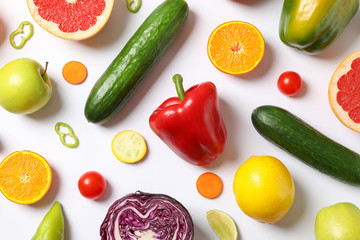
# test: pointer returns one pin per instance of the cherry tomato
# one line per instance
(289, 83)
(92, 185)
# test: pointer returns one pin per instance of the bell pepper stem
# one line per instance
(178, 80)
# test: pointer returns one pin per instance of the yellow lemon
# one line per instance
(264, 188)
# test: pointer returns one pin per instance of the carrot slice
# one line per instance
(74, 72)
(209, 185)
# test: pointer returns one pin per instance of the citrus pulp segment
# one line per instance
(236, 47)
(128, 146)
(71, 19)
(222, 224)
(25, 177)
(344, 91)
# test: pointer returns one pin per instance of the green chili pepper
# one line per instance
(20, 30)
(63, 135)
(129, 4)
(52, 225)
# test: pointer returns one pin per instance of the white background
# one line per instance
(162, 171)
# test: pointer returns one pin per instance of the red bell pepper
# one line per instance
(191, 124)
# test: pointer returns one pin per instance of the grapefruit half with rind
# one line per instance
(71, 19)
(344, 91)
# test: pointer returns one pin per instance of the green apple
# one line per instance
(24, 86)
(340, 221)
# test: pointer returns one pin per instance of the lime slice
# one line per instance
(222, 224)
(128, 146)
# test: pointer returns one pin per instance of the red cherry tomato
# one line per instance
(92, 185)
(289, 83)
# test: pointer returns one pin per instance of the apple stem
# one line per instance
(46, 65)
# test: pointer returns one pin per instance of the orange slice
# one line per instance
(71, 19)
(25, 177)
(344, 91)
(236, 47)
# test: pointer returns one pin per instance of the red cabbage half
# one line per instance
(147, 216)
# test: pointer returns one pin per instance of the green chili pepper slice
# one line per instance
(130, 3)
(20, 30)
(63, 135)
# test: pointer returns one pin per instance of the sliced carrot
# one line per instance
(74, 72)
(209, 185)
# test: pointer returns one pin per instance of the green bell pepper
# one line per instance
(312, 25)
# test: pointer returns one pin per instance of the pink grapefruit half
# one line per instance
(344, 91)
(71, 19)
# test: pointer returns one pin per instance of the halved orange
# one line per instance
(71, 19)
(25, 177)
(236, 47)
(344, 91)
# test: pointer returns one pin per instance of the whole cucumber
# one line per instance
(136, 60)
(307, 144)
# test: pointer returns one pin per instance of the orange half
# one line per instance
(25, 177)
(236, 47)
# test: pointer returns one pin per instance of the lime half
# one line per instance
(222, 224)
(128, 146)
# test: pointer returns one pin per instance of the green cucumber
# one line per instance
(307, 144)
(136, 60)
